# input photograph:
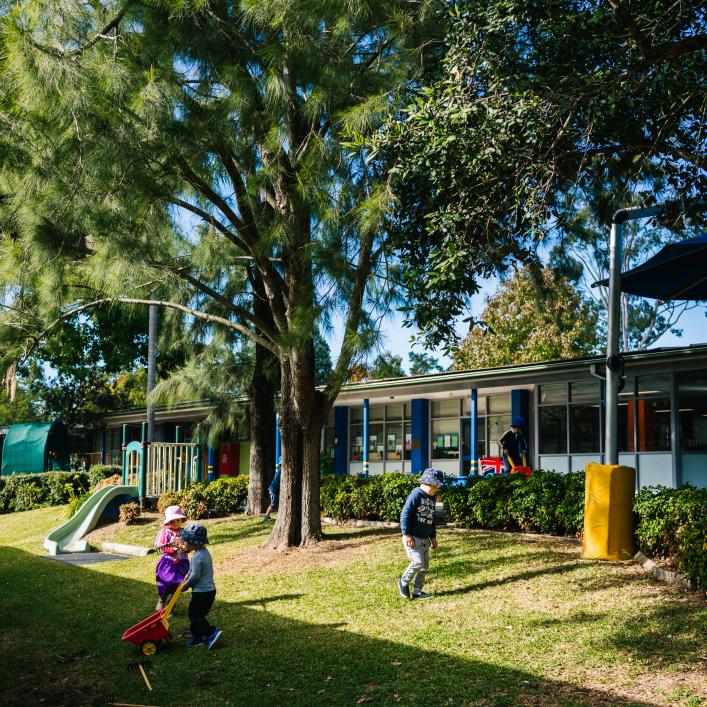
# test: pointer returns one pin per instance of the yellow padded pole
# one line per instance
(608, 512)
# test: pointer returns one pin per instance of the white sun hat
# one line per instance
(173, 513)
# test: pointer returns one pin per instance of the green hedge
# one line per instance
(98, 472)
(205, 500)
(547, 502)
(23, 492)
(672, 523)
(379, 497)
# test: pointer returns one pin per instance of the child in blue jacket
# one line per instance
(417, 522)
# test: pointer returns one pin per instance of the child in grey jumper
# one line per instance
(201, 581)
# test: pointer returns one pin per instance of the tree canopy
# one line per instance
(228, 126)
(531, 319)
(536, 102)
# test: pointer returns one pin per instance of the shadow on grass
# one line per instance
(362, 533)
(520, 577)
(50, 610)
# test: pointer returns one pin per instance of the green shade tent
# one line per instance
(34, 447)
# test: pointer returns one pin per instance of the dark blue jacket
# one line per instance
(418, 515)
(275, 483)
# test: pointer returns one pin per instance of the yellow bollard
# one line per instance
(608, 512)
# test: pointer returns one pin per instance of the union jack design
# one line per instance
(491, 465)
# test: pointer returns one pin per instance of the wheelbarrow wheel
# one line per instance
(149, 647)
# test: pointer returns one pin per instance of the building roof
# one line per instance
(450, 383)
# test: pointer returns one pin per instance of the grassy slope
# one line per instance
(514, 622)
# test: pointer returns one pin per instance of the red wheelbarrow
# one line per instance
(150, 632)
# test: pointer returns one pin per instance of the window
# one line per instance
(586, 391)
(692, 396)
(445, 408)
(394, 441)
(584, 429)
(553, 394)
(499, 404)
(553, 429)
(644, 416)
(653, 425)
(445, 439)
(376, 442)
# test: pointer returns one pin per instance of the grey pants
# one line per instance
(419, 557)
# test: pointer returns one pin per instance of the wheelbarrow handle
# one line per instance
(170, 605)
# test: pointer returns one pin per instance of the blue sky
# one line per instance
(396, 338)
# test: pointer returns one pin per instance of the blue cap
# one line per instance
(433, 477)
(195, 534)
(518, 422)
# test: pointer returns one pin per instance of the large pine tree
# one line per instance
(228, 123)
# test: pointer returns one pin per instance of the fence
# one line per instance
(171, 466)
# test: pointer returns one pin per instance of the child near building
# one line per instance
(417, 522)
(201, 583)
(274, 491)
(173, 566)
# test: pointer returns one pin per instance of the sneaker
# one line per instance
(422, 595)
(404, 589)
(266, 518)
(194, 641)
(211, 640)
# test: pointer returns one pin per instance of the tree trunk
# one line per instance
(262, 432)
(263, 386)
(301, 414)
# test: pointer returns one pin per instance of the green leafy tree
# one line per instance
(421, 363)
(230, 125)
(386, 365)
(530, 319)
(536, 99)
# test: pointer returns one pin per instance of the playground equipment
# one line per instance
(150, 632)
(523, 469)
(166, 466)
(68, 536)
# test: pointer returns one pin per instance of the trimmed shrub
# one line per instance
(546, 502)
(203, 500)
(672, 524)
(129, 513)
(99, 472)
(23, 492)
(378, 497)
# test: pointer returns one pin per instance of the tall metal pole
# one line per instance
(365, 437)
(613, 359)
(151, 369)
(613, 364)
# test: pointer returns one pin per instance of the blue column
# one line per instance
(520, 407)
(341, 436)
(420, 451)
(474, 465)
(365, 437)
(177, 433)
(278, 445)
(211, 464)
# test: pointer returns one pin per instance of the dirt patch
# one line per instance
(326, 553)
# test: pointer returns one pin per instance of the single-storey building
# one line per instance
(451, 420)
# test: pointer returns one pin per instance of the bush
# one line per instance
(202, 500)
(379, 497)
(75, 502)
(672, 524)
(547, 502)
(114, 480)
(129, 513)
(99, 472)
(23, 492)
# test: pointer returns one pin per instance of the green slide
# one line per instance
(68, 536)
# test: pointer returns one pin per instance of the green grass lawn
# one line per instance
(514, 621)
